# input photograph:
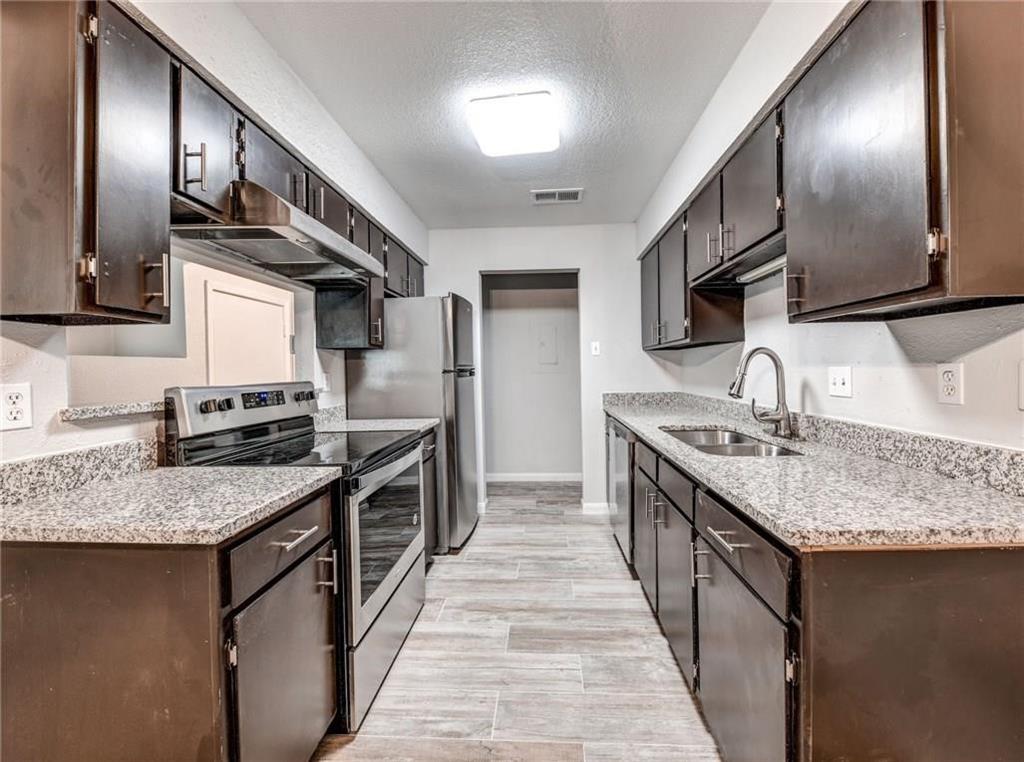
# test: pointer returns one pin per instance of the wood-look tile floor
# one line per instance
(535, 644)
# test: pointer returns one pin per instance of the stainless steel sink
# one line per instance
(730, 443)
(758, 450)
(711, 437)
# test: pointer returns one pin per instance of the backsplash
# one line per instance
(64, 471)
(983, 465)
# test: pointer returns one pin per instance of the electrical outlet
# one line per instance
(840, 381)
(950, 377)
(595, 348)
(15, 406)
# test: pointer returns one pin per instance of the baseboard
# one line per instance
(577, 477)
(596, 509)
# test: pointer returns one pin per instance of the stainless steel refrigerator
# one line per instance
(426, 370)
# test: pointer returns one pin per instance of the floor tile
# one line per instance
(486, 671)
(457, 636)
(586, 612)
(504, 589)
(431, 608)
(586, 568)
(492, 569)
(432, 713)
(362, 748)
(617, 673)
(620, 718)
(630, 640)
(632, 752)
(606, 588)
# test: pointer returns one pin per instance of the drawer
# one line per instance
(647, 460)
(678, 488)
(256, 561)
(765, 568)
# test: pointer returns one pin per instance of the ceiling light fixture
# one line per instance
(508, 125)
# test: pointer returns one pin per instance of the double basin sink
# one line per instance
(731, 443)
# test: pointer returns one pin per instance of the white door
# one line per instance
(249, 329)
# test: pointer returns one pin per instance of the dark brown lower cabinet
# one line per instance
(675, 585)
(742, 668)
(645, 539)
(284, 671)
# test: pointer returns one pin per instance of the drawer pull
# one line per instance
(332, 559)
(719, 537)
(304, 534)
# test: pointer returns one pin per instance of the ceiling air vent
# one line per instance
(557, 196)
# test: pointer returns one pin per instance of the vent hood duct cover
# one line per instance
(266, 230)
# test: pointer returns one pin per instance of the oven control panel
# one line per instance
(262, 399)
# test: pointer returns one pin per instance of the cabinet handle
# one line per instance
(165, 293)
(694, 576)
(647, 501)
(708, 244)
(722, 230)
(654, 518)
(201, 153)
(323, 204)
(719, 537)
(304, 534)
(377, 335)
(333, 561)
(299, 183)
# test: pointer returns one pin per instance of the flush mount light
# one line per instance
(507, 125)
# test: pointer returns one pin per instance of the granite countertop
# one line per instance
(828, 497)
(421, 425)
(164, 506)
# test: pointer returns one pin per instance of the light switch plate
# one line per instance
(595, 348)
(950, 379)
(15, 406)
(840, 381)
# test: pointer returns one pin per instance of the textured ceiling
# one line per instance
(632, 78)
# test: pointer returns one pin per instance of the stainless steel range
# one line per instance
(378, 507)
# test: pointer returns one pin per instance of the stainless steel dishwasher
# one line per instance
(620, 443)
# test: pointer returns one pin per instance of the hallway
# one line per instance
(534, 644)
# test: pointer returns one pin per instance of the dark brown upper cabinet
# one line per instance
(86, 143)
(415, 276)
(904, 167)
(673, 321)
(649, 292)
(361, 231)
(268, 164)
(378, 245)
(350, 315)
(205, 131)
(751, 193)
(328, 206)
(397, 269)
(704, 229)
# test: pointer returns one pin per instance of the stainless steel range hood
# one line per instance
(266, 230)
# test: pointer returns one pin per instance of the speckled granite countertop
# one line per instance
(164, 506)
(422, 425)
(830, 498)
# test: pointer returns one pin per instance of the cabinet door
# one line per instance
(284, 679)
(675, 585)
(350, 316)
(204, 160)
(133, 167)
(328, 206)
(742, 664)
(856, 164)
(415, 277)
(649, 315)
(672, 291)
(397, 269)
(271, 166)
(377, 243)
(361, 231)
(703, 230)
(645, 548)
(750, 188)
(375, 294)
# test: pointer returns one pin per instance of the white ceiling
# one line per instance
(632, 79)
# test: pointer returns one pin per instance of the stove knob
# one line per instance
(300, 396)
(208, 406)
(226, 404)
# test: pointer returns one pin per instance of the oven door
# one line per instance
(385, 526)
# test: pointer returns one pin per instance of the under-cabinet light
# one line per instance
(507, 125)
(763, 271)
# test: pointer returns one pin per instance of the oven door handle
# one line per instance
(373, 480)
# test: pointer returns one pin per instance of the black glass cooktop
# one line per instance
(353, 450)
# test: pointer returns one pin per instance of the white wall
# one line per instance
(221, 38)
(609, 312)
(531, 380)
(894, 374)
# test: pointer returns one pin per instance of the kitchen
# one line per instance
(262, 499)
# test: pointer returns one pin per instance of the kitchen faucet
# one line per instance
(780, 415)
